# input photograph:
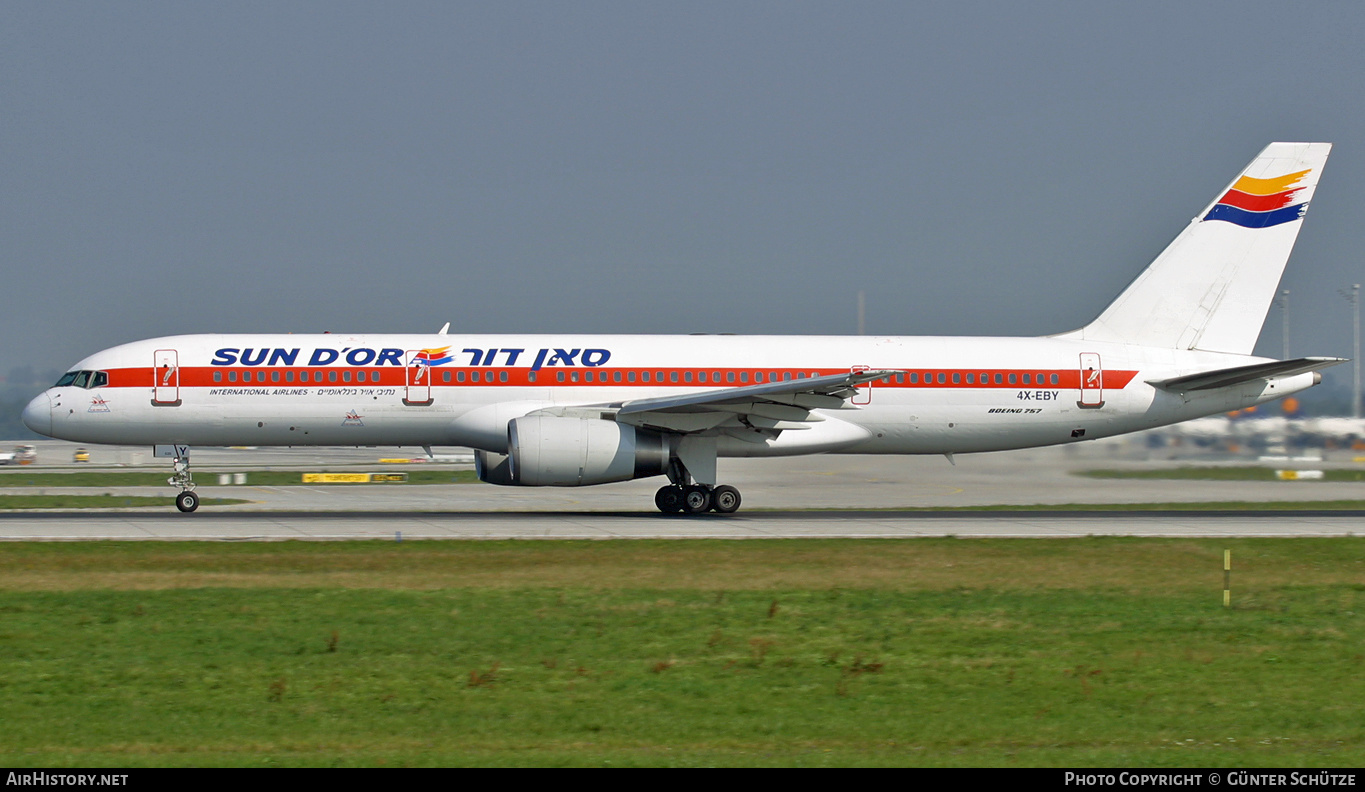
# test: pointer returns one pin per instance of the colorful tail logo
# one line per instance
(1261, 203)
(433, 357)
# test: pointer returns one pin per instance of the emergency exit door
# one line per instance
(862, 393)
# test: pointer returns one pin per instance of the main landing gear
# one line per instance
(687, 495)
(697, 498)
(187, 500)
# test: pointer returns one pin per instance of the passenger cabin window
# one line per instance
(459, 376)
(232, 376)
(1053, 379)
(644, 376)
(345, 376)
(217, 376)
(502, 376)
(941, 378)
(914, 378)
(288, 376)
(1014, 379)
(970, 378)
(445, 376)
(630, 376)
(474, 376)
(687, 376)
(303, 376)
(360, 376)
(957, 378)
(559, 375)
(274, 376)
(1026, 380)
(331, 376)
(998, 379)
(672, 376)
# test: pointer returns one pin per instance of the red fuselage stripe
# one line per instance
(289, 376)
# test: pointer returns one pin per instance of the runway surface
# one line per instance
(822, 496)
(311, 525)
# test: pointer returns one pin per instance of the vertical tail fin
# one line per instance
(1211, 288)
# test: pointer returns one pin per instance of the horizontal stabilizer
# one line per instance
(1222, 378)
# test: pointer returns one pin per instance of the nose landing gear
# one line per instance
(187, 500)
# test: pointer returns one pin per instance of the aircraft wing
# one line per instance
(1222, 378)
(751, 412)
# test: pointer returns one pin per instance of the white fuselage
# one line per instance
(421, 390)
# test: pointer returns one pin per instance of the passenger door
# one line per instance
(166, 370)
(1092, 381)
(418, 380)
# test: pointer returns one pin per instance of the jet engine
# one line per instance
(548, 451)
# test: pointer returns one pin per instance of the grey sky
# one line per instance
(976, 168)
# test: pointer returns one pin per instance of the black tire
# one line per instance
(696, 500)
(187, 501)
(669, 499)
(725, 499)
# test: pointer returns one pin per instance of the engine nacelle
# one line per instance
(545, 451)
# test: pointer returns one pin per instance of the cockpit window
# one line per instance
(83, 379)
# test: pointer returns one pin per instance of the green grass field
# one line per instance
(1235, 473)
(266, 478)
(1099, 652)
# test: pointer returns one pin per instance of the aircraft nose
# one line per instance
(38, 415)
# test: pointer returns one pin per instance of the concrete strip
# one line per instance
(538, 525)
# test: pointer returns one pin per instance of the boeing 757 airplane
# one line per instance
(574, 410)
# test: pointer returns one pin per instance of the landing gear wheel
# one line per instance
(669, 499)
(725, 499)
(187, 501)
(696, 499)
